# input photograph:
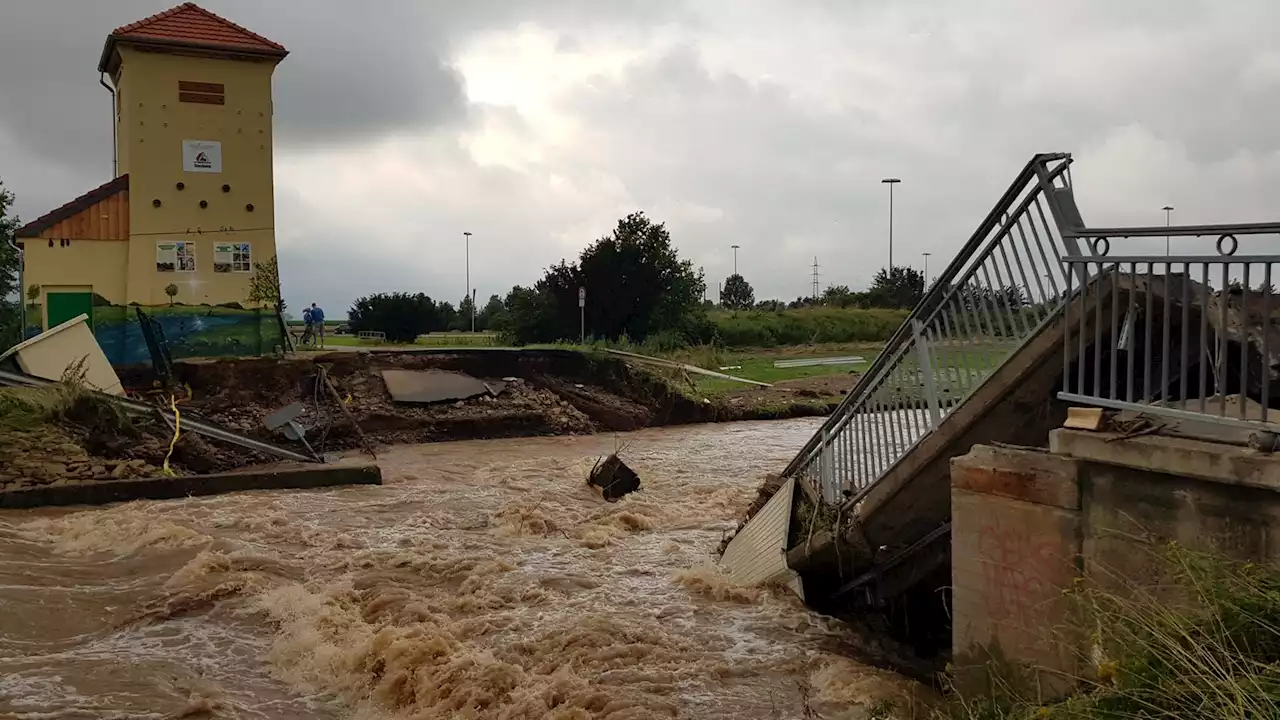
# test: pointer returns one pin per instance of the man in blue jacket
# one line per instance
(317, 322)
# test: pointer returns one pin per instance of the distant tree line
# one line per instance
(638, 288)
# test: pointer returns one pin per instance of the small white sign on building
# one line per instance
(201, 156)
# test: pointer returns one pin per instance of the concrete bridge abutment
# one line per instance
(1029, 525)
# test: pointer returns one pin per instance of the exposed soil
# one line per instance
(823, 393)
(548, 393)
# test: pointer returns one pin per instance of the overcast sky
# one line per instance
(535, 124)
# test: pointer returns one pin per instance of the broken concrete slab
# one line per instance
(432, 386)
(168, 488)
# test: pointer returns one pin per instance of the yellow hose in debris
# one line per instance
(177, 427)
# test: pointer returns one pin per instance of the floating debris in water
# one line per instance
(613, 478)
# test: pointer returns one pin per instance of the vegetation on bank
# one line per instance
(1204, 644)
(632, 286)
(805, 326)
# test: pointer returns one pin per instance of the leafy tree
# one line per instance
(264, 284)
(10, 263)
(462, 322)
(842, 296)
(636, 285)
(401, 316)
(448, 315)
(737, 293)
(529, 316)
(897, 287)
(491, 315)
(1013, 297)
(172, 291)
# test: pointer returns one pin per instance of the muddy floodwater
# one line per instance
(484, 579)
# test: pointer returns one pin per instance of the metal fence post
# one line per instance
(926, 372)
(825, 470)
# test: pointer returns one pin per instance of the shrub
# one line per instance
(401, 316)
(765, 328)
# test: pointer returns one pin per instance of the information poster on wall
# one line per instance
(201, 156)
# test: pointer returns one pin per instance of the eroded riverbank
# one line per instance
(485, 579)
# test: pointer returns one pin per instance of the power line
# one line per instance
(815, 278)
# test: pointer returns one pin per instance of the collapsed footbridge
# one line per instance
(1037, 313)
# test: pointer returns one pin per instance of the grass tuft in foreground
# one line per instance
(1204, 643)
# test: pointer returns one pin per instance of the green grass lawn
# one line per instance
(960, 367)
(758, 365)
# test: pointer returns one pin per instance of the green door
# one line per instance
(64, 306)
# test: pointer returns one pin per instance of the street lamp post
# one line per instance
(1168, 214)
(735, 258)
(468, 292)
(926, 268)
(891, 181)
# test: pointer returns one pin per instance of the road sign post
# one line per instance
(582, 315)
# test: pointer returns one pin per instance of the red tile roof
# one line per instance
(53, 217)
(189, 25)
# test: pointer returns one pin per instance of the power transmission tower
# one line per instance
(815, 279)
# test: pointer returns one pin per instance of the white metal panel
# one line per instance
(758, 553)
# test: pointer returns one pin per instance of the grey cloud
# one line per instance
(1168, 102)
(795, 181)
(349, 78)
(356, 71)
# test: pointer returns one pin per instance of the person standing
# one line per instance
(317, 318)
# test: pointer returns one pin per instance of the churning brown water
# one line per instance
(484, 579)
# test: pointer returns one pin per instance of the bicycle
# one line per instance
(304, 339)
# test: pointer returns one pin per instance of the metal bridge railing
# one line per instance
(1005, 283)
(1191, 336)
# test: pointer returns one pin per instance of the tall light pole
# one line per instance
(468, 292)
(891, 181)
(1168, 214)
(735, 258)
(926, 269)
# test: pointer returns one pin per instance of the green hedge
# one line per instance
(763, 328)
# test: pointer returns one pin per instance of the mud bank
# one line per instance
(548, 392)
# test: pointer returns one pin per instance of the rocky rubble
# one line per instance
(51, 455)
